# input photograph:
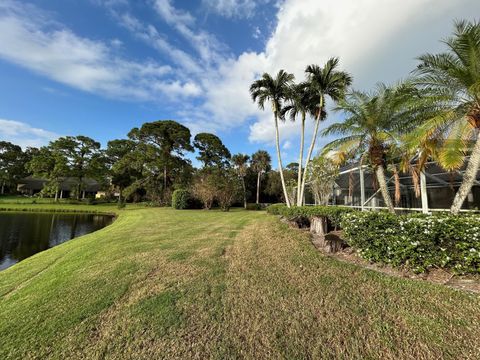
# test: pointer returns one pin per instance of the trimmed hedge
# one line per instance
(415, 241)
(418, 242)
(333, 213)
(180, 199)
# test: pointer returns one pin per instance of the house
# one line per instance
(356, 186)
(32, 186)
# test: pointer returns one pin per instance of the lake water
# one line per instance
(24, 234)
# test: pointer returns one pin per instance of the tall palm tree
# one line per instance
(274, 90)
(300, 101)
(326, 82)
(240, 162)
(372, 127)
(260, 164)
(453, 77)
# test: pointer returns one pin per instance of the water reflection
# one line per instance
(25, 234)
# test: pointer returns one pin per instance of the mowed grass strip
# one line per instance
(161, 283)
(285, 300)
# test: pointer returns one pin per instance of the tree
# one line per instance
(50, 165)
(163, 144)
(453, 78)
(212, 152)
(326, 82)
(82, 156)
(372, 126)
(322, 175)
(122, 172)
(240, 162)
(274, 90)
(301, 101)
(11, 165)
(227, 188)
(260, 164)
(204, 188)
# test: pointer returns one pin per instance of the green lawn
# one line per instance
(161, 283)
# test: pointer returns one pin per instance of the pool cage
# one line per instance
(431, 190)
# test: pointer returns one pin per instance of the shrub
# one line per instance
(180, 199)
(419, 242)
(255, 207)
(228, 189)
(204, 189)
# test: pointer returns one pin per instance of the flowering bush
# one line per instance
(416, 241)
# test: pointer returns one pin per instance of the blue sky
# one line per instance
(100, 67)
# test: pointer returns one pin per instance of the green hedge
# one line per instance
(180, 199)
(333, 213)
(418, 242)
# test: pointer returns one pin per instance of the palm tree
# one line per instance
(372, 127)
(274, 90)
(326, 82)
(260, 164)
(300, 101)
(240, 162)
(453, 77)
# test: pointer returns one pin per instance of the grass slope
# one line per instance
(161, 283)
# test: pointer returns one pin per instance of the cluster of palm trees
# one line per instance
(307, 98)
(435, 114)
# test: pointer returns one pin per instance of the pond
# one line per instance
(24, 234)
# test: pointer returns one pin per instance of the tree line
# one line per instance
(433, 114)
(148, 165)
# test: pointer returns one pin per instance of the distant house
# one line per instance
(32, 186)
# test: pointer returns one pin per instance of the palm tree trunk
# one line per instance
(280, 166)
(244, 193)
(310, 150)
(382, 183)
(258, 186)
(397, 186)
(469, 178)
(300, 161)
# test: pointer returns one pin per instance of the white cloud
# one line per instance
(231, 8)
(172, 15)
(206, 44)
(287, 145)
(23, 134)
(150, 35)
(375, 40)
(256, 32)
(34, 42)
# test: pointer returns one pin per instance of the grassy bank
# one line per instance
(161, 283)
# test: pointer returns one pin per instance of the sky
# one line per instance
(102, 67)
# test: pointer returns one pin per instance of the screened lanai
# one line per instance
(433, 190)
